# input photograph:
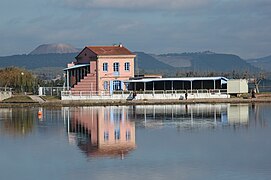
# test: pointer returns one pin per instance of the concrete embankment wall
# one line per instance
(5, 95)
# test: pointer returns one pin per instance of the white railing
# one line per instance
(51, 91)
(107, 93)
(85, 93)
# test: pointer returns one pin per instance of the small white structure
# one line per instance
(51, 91)
(237, 86)
(5, 93)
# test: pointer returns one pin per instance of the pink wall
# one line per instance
(93, 71)
(109, 75)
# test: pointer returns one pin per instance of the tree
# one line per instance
(20, 80)
(257, 81)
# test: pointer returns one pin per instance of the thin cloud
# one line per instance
(156, 26)
(138, 4)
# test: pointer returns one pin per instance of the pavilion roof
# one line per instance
(223, 79)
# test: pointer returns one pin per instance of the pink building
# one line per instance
(100, 69)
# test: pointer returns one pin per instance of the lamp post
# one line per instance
(22, 74)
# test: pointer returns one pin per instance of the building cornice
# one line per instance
(116, 56)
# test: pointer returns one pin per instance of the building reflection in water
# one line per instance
(238, 114)
(192, 116)
(110, 131)
(101, 131)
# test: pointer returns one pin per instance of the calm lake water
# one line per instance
(201, 141)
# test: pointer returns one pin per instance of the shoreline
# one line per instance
(63, 103)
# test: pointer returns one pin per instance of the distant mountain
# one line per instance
(54, 49)
(37, 61)
(166, 64)
(262, 63)
(206, 62)
(148, 63)
(46, 66)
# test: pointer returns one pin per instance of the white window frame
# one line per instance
(116, 66)
(116, 85)
(127, 66)
(106, 85)
(105, 67)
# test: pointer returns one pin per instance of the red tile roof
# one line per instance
(110, 50)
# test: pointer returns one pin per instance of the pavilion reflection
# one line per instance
(192, 115)
(101, 131)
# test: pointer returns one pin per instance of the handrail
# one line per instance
(107, 93)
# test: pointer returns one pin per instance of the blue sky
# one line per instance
(241, 27)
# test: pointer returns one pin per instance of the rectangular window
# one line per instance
(116, 67)
(105, 85)
(105, 67)
(127, 66)
(116, 85)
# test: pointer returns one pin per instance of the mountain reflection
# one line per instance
(101, 131)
